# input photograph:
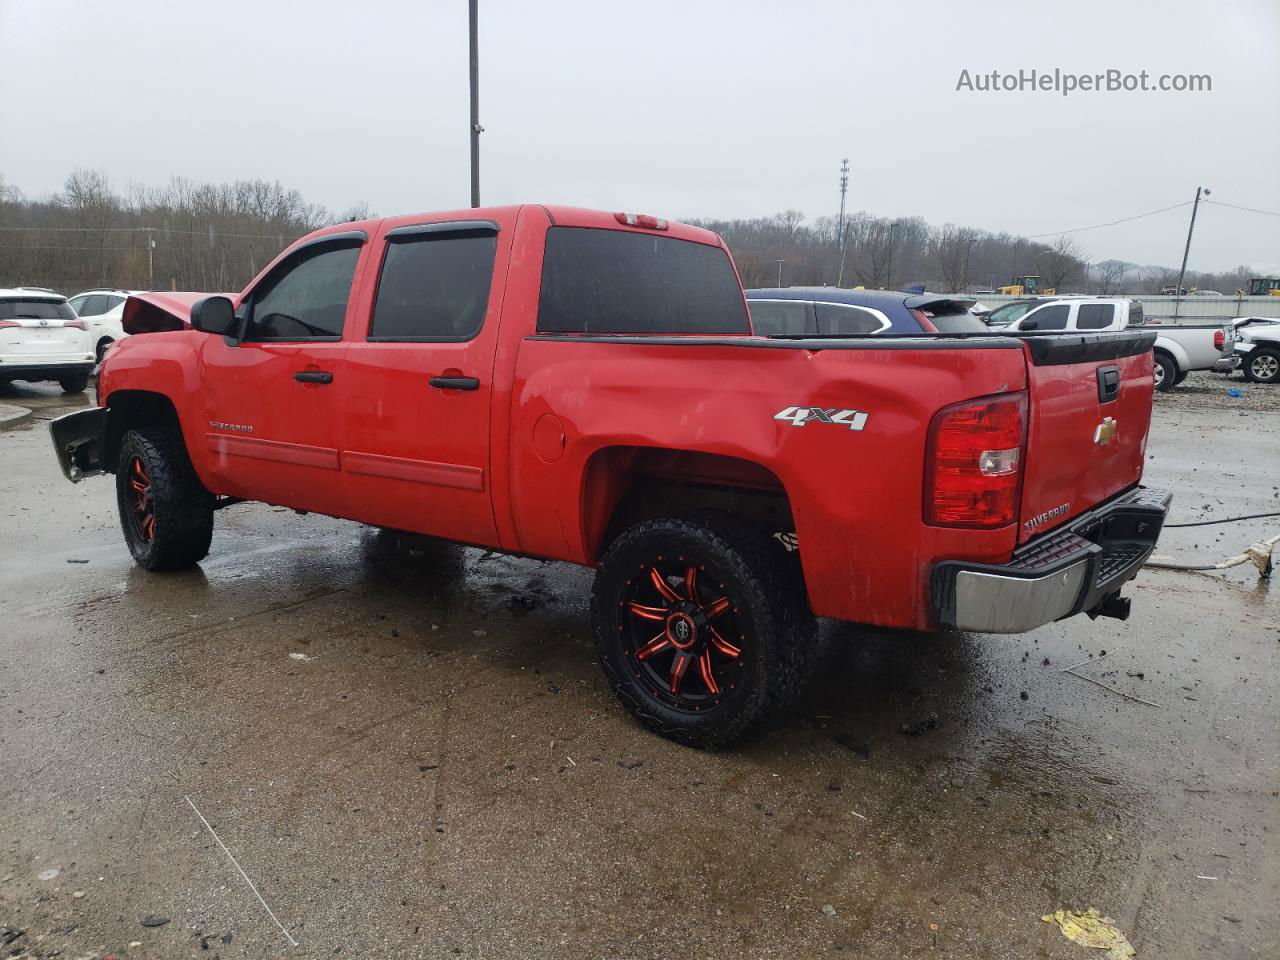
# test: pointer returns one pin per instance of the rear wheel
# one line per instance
(165, 511)
(75, 383)
(1262, 366)
(697, 631)
(1182, 375)
(1166, 372)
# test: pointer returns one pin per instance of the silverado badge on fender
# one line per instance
(799, 416)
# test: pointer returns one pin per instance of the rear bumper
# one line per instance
(1078, 568)
(78, 442)
(33, 371)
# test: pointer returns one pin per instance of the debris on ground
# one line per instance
(152, 920)
(1090, 929)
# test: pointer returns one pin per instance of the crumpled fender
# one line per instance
(161, 310)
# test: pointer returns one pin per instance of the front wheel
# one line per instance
(695, 629)
(165, 511)
(1262, 366)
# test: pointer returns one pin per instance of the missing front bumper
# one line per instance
(1078, 568)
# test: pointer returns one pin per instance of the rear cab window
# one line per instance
(1095, 316)
(601, 281)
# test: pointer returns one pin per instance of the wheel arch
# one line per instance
(130, 409)
(1174, 351)
(623, 485)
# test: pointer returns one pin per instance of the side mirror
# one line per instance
(1029, 325)
(214, 315)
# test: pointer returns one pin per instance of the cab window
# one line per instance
(1047, 318)
(305, 297)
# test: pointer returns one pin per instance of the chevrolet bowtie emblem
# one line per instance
(1105, 432)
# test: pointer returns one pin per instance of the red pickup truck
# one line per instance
(585, 386)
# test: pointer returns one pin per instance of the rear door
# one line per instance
(418, 382)
(1090, 403)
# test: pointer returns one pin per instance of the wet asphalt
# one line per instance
(408, 748)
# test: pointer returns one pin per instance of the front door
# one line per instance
(271, 401)
(419, 385)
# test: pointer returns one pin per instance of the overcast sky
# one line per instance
(682, 109)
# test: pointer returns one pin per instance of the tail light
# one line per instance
(77, 323)
(974, 463)
(1219, 339)
(9, 323)
(640, 220)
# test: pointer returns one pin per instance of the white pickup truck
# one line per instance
(1258, 347)
(1179, 348)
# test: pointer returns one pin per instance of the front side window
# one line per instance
(1095, 316)
(434, 286)
(615, 281)
(1048, 318)
(782, 318)
(305, 297)
(842, 319)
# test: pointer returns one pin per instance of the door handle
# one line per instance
(313, 376)
(455, 383)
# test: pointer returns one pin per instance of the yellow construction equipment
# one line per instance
(1028, 286)
(1264, 287)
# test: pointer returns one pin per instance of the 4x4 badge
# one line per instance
(799, 416)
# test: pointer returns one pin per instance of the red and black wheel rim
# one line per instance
(143, 513)
(681, 633)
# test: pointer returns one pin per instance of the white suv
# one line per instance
(102, 311)
(41, 338)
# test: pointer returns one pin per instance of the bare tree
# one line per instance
(1111, 276)
(1060, 263)
(949, 251)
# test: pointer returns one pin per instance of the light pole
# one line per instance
(844, 186)
(1177, 302)
(476, 129)
(780, 263)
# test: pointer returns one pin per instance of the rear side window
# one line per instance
(112, 303)
(844, 319)
(782, 318)
(1049, 318)
(434, 287)
(611, 281)
(305, 297)
(93, 306)
(36, 310)
(1095, 316)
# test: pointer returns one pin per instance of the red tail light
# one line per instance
(640, 220)
(9, 323)
(974, 463)
(1219, 339)
(77, 323)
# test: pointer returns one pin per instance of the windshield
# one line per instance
(16, 309)
(1004, 315)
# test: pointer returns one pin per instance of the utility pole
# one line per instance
(780, 263)
(888, 283)
(844, 186)
(476, 129)
(151, 263)
(1187, 250)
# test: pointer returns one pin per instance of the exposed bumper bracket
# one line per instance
(1078, 568)
(78, 442)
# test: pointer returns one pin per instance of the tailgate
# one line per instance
(1090, 402)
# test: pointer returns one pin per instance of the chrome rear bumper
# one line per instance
(1078, 568)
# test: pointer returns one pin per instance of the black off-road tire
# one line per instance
(772, 626)
(1260, 358)
(75, 383)
(1166, 372)
(181, 509)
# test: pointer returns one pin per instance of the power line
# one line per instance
(1110, 223)
(160, 230)
(1234, 206)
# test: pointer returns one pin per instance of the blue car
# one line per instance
(839, 312)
